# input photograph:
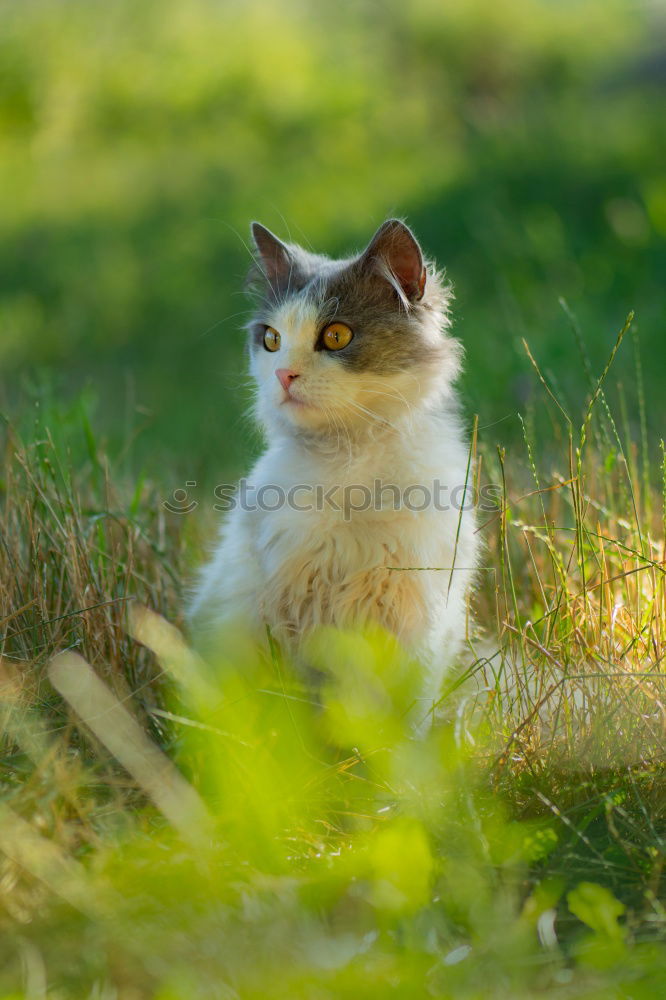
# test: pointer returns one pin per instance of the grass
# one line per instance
(177, 829)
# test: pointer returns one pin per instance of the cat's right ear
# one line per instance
(273, 258)
(394, 252)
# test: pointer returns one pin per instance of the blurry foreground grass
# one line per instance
(171, 828)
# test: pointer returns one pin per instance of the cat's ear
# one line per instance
(274, 259)
(395, 253)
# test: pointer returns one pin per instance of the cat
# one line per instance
(354, 375)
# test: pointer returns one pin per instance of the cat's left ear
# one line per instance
(274, 257)
(394, 252)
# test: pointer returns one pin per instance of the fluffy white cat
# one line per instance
(360, 509)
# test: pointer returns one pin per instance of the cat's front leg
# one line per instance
(228, 588)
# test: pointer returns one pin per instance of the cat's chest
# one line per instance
(343, 545)
(342, 517)
(335, 534)
(319, 568)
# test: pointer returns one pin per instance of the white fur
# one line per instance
(407, 571)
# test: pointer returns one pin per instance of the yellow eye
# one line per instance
(336, 336)
(271, 339)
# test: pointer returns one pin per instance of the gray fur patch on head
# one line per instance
(393, 301)
(389, 336)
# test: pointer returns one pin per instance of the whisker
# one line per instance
(372, 414)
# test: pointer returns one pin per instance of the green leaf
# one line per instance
(402, 866)
(598, 908)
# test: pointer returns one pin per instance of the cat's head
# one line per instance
(357, 343)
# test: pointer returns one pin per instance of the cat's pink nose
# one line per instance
(286, 376)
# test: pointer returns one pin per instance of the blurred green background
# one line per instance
(524, 140)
